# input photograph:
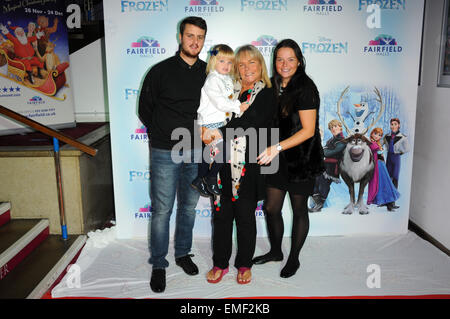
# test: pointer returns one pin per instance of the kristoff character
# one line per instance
(397, 145)
(333, 151)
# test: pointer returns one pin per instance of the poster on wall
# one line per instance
(362, 55)
(34, 64)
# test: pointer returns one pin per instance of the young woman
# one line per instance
(300, 150)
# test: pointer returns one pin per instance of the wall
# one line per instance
(431, 174)
(89, 83)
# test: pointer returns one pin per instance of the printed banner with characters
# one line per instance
(34, 63)
(364, 60)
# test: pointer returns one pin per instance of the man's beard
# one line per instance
(188, 54)
(22, 39)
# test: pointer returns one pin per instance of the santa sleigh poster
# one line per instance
(27, 57)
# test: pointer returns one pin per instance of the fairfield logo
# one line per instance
(203, 7)
(322, 7)
(383, 44)
(259, 212)
(140, 134)
(144, 212)
(265, 44)
(36, 100)
(145, 46)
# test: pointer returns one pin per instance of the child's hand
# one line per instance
(209, 135)
(244, 106)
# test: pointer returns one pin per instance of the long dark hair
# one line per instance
(299, 83)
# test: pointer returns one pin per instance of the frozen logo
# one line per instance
(383, 4)
(147, 6)
(131, 94)
(146, 47)
(325, 46)
(9, 91)
(139, 175)
(264, 5)
(383, 45)
(144, 212)
(140, 134)
(35, 100)
(203, 7)
(203, 213)
(265, 44)
(322, 7)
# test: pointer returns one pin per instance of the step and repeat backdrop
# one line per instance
(362, 54)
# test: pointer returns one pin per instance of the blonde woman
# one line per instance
(243, 183)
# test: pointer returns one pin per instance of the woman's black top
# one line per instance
(299, 165)
(259, 115)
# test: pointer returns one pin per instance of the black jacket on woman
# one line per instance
(304, 161)
(259, 115)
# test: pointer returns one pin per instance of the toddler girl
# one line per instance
(216, 103)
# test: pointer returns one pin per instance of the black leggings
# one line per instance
(275, 226)
(243, 212)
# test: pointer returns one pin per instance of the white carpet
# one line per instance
(330, 267)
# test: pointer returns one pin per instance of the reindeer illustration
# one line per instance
(357, 165)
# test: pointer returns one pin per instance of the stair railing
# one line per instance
(57, 136)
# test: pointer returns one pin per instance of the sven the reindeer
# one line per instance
(357, 165)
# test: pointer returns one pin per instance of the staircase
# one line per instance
(31, 259)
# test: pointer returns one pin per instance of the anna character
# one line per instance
(381, 189)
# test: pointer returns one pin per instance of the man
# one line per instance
(333, 152)
(397, 145)
(169, 99)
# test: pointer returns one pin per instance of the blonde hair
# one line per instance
(378, 130)
(334, 123)
(219, 51)
(253, 53)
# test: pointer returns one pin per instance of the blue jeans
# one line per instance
(169, 178)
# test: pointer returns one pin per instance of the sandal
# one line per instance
(241, 272)
(215, 270)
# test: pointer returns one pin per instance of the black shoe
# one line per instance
(289, 269)
(187, 264)
(316, 199)
(266, 258)
(212, 187)
(391, 207)
(158, 280)
(200, 186)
